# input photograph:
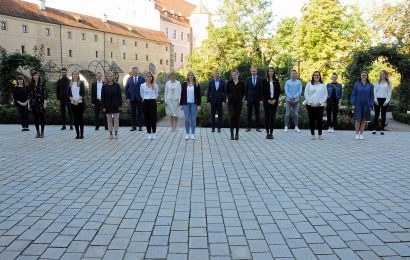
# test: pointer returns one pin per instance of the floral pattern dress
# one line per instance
(36, 95)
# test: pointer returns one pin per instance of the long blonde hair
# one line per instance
(187, 77)
(72, 78)
(380, 76)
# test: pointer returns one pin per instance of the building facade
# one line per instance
(75, 39)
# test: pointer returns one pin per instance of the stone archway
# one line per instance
(362, 60)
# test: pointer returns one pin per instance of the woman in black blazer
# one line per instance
(271, 92)
(191, 102)
(76, 93)
(111, 103)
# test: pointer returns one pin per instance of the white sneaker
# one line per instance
(298, 130)
(329, 130)
(361, 137)
(186, 136)
(149, 137)
(153, 137)
(285, 129)
(332, 130)
(357, 137)
(192, 137)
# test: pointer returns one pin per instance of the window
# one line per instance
(146, 45)
(182, 57)
(175, 56)
(166, 62)
(111, 40)
(160, 62)
(123, 42)
(3, 25)
(136, 56)
(23, 49)
(187, 36)
(135, 44)
(83, 37)
(48, 52)
(166, 31)
(123, 56)
(182, 36)
(147, 58)
(96, 54)
(166, 48)
(111, 55)
(96, 38)
(70, 53)
(25, 28)
(175, 34)
(48, 32)
(69, 36)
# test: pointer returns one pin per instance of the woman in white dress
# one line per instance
(172, 97)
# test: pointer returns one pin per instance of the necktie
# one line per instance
(135, 80)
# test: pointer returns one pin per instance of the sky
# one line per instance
(280, 8)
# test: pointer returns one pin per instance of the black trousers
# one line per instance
(377, 114)
(97, 111)
(78, 113)
(136, 114)
(332, 109)
(235, 117)
(149, 107)
(315, 119)
(270, 116)
(253, 105)
(63, 107)
(23, 112)
(216, 108)
(39, 120)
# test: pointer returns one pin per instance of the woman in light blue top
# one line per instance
(362, 101)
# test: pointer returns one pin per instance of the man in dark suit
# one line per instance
(63, 85)
(96, 88)
(132, 93)
(216, 97)
(253, 96)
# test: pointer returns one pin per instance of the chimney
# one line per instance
(42, 5)
(105, 18)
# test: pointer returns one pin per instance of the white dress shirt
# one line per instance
(75, 91)
(217, 84)
(190, 94)
(99, 88)
(382, 90)
(315, 94)
(272, 89)
(149, 93)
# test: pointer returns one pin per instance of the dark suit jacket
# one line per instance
(197, 90)
(253, 93)
(82, 91)
(94, 92)
(111, 98)
(63, 85)
(132, 90)
(216, 96)
(266, 90)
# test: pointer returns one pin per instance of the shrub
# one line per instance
(401, 117)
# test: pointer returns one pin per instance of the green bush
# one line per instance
(401, 117)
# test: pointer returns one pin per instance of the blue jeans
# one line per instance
(190, 117)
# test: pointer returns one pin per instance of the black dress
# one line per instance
(111, 99)
(21, 94)
(235, 95)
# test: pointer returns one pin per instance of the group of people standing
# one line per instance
(142, 93)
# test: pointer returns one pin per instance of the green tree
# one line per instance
(327, 32)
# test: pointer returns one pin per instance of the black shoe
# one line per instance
(38, 135)
(381, 133)
(140, 129)
(232, 137)
(374, 132)
(71, 127)
(219, 130)
(213, 130)
(63, 127)
(258, 130)
(237, 137)
(23, 129)
(271, 136)
(97, 128)
(268, 136)
(133, 129)
(42, 135)
(81, 136)
(77, 137)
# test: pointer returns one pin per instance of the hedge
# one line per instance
(401, 117)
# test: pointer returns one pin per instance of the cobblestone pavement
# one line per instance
(211, 198)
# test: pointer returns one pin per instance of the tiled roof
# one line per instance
(177, 7)
(30, 11)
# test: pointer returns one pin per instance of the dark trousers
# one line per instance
(270, 116)
(63, 106)
(377, 114)
(39, 121)
(332, 110)
(150, 114)
(253, 105)
(97, 111)
(23, 112)
(216, 108)
(78, 113)
(136, 114)
(235, 118)
(315, 119)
